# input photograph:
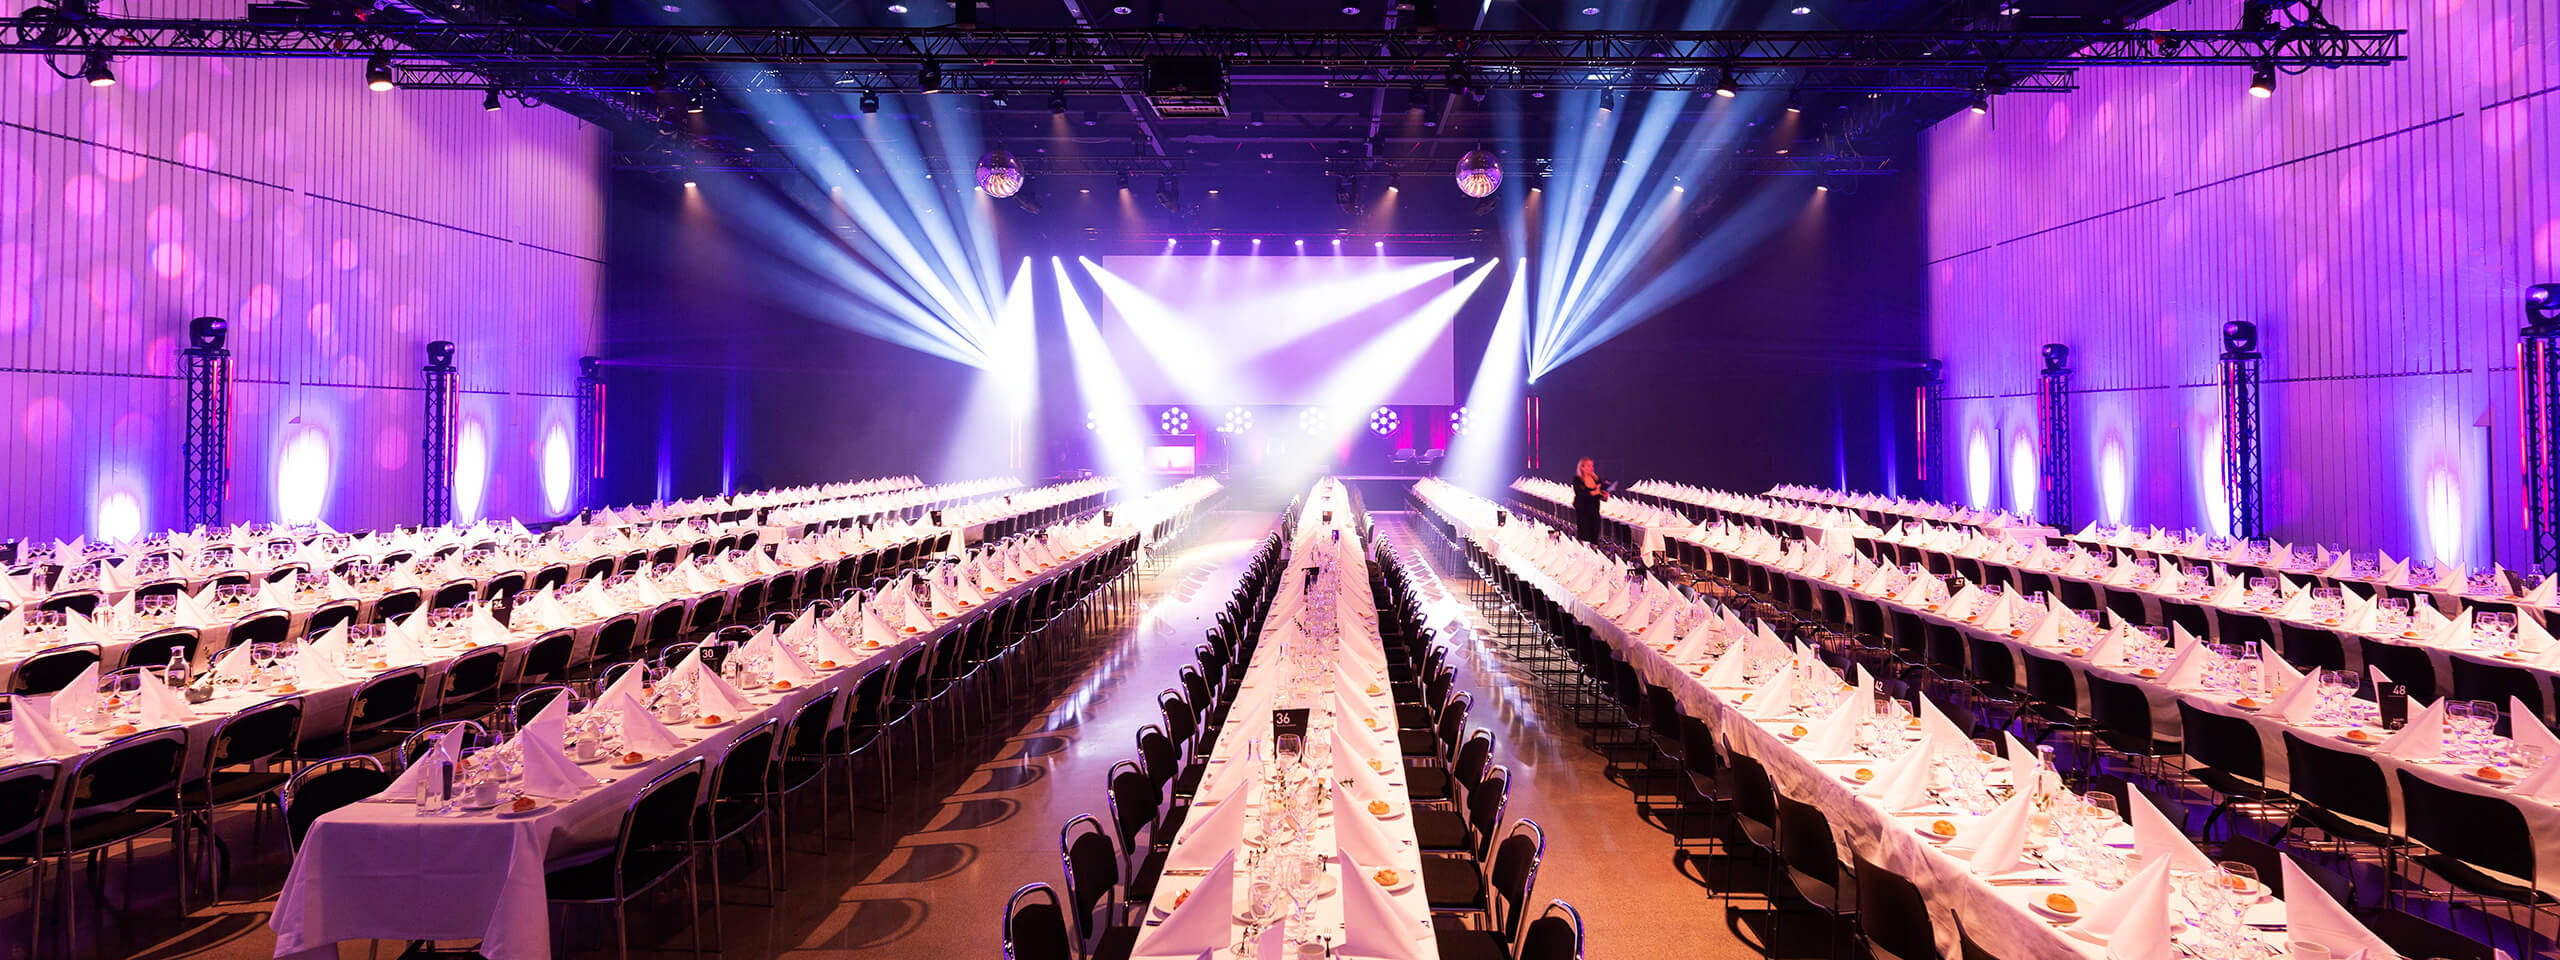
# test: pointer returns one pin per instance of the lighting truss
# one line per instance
(809, 79)
(597, 60)
(1485, 54)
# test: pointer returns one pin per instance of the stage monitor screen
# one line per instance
(1249, 330)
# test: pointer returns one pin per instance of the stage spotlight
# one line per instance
(1122, 179)
(1821, 186)
(207, 333)
(1092, 420)
(1175, 421)
(1416, 99)
(1384, 420)
(1302, 246)
(689, 185)
(489, 101)
(2262, 81)
(999, 98)
(1725, 85)
(929, 77)
(1608, 99)
(692, 104)
(377, 73)
(1257, 244)
(1254, 120)
(1794, 105)
(1092, 118)
(1395, 183)
(1239, 420)
(870, 102)
(1980, 105)
(2542, 305)
(1058, 104)
(1311, 420)
(95, 71)
(1380, 246)
(1801, 10)
(1458, 420)
(1169, 192)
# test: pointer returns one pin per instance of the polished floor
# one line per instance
(929, 878)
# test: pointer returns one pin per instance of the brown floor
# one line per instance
(930, 878)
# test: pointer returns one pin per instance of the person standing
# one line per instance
(1588, 491)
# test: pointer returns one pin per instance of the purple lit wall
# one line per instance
(339, 230)
(2378, 223)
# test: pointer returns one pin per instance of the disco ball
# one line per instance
(1176, 420)
(1311, 420)
(999, 174)
(1383, 421)
(1479, 174)
(1239, 420)
(1458, 421)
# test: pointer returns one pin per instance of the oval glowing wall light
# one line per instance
(470, 470)
(558, 468)
(303, 465)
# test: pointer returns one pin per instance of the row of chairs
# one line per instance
(1109, 874)
(2478, 844)
(135, 786)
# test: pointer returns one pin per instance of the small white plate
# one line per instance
(2050, 913)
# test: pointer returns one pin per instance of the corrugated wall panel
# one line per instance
(2379, 224)
(339, 229)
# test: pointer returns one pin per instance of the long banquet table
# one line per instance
(1995, 915)
(379, 870)
(2541, 817)
(1327, 625)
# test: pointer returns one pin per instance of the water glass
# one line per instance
(2395, 614)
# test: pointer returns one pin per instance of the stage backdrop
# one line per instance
(2379, 224)
(1247, 330)
(339, 230)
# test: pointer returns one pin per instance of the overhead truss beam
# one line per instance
(1481, 56)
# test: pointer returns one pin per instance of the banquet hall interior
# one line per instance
(1224, 479)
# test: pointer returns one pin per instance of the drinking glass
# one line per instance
(2524, 756)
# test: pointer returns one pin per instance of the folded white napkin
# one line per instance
(711, 693)
(81, 629)
(2530, 635)
(2048, 629)
(316, 670)
(2156, 836)
(2137, 920)
(2275, 676)
(2526, 728)
(2456, 630)
(331, 645)
(785, 664)
(1835, 735)
(1774, 696)
(1998, 842)
(2422, 739)
(1996, 617)
(1202, 924)
(2540, 595)
(1941, 734)
(2298, 701)
(2311, 916)
(79, 698)
(192, 611)
(825, 645)
(2024, 763)
(548, 771)
(2109, 651)
(2186, 670)
(1209, 835)
(917, 620)
(1361, 835)
(1373, 927)
(35, 728)
(1883, 787)
(340, 589)
(161, 705)
(641, 730)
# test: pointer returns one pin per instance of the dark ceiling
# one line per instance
(1309, 121)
